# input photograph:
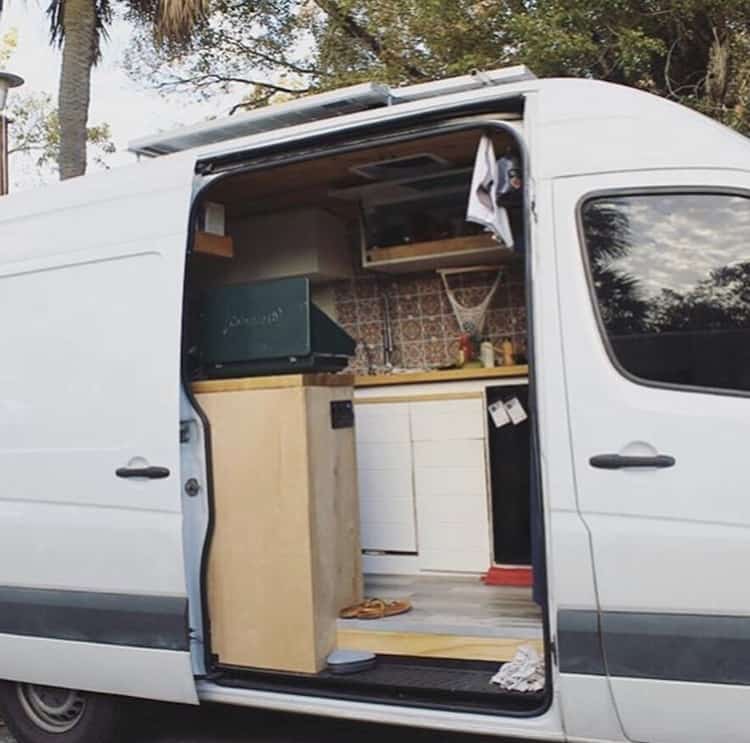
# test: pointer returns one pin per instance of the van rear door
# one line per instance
(92, 582)
(654, 281)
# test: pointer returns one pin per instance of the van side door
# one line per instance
(92, 579)
(654, 285)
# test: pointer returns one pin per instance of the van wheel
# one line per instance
(50, 714)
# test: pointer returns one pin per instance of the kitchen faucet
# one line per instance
(387, 332)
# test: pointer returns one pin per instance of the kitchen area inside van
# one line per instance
(350, 294)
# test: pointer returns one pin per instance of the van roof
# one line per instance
(578, 125)
(363, 97)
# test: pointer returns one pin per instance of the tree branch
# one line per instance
(200, 81)
(276, 62)
(358, 32)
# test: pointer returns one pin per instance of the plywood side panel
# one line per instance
(260, 586)
(285, 554)
(334, 509)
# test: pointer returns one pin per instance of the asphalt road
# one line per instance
(219, 724)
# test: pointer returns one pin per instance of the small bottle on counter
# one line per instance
(487, 354)
(465, 350)
(508, 355)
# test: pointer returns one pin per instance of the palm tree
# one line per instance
(79, 26)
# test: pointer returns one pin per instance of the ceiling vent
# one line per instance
(401, 167)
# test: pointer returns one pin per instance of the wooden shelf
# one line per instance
(448, 252)
(217, 245)
(446, 375)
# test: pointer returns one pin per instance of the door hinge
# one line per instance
(184, 432)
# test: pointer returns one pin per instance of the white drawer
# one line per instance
(447, 420)
(461, 453)
(463, 482)
(382, 422)
(381, 482)
(384, 456)
(388, 536)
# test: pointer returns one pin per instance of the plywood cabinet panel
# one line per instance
(285, 554)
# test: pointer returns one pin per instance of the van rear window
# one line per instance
(671, 278)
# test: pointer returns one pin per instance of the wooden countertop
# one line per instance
(446, 375)
(276, 381)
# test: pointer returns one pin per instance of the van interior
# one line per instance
(357, 351)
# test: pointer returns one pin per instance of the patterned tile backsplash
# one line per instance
(425, 331)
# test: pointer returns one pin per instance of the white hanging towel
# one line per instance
(483, 208)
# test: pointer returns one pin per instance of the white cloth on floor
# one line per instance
(524, 673)
(483, 208)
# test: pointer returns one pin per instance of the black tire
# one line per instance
(31, 714)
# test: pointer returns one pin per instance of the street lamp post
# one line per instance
(7, 81)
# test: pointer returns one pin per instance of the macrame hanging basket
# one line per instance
(470, 319)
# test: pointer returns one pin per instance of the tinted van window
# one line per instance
(671, 275)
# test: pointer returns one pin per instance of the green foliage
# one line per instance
(36, 131)
(692, 51)
(8, 44)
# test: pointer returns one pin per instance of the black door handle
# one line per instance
(152, 473)
(618, 461)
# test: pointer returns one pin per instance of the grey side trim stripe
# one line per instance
(580, 649)
(114, 619)
(671, 647)
(678, 647)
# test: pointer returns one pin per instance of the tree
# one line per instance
(35, 133)
(692, 51)
(79, 27)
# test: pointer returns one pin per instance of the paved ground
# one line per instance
(163, 724)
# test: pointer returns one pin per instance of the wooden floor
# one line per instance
(452, 617)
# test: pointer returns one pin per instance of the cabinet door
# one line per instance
(384, 466)
(451, 484)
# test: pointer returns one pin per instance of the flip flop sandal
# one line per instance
(375, 609)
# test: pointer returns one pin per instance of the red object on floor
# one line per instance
(517, 575)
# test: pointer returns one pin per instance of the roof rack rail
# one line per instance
(315, 108)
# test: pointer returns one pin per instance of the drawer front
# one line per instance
(466, 453)
(382, 422)
(386, 503)
(385, 475)
(451, 494)
(447, 420)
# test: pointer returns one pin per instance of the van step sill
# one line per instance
(440, 684)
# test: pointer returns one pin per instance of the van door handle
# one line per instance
(618, 461)
(152, 473)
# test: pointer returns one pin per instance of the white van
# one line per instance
(633, 247)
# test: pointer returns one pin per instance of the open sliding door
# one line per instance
(92, 581)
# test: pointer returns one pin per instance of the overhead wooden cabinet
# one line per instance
(285, 554)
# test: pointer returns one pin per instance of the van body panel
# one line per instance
(587, 708)
(109, 669)
(569, 564)
(90, 384)
(681, 712)
(670, 545)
